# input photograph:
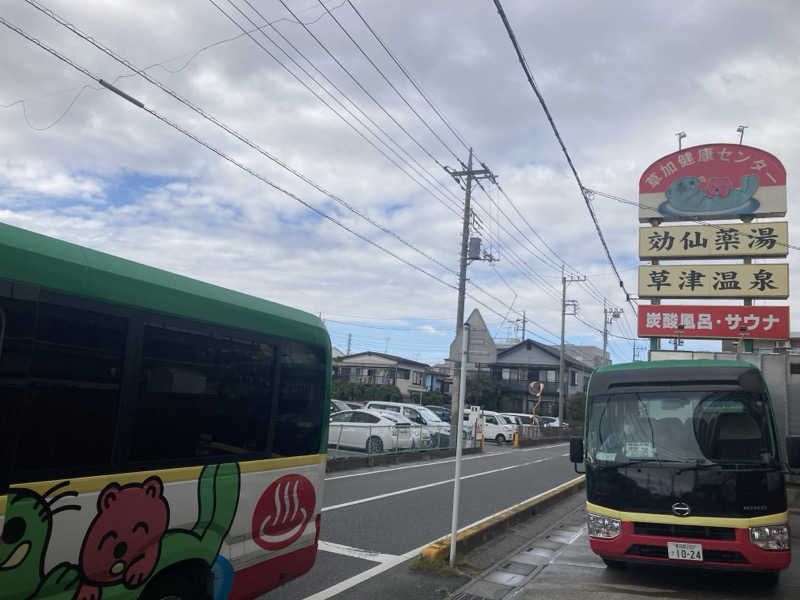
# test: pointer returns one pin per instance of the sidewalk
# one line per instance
(558, 564)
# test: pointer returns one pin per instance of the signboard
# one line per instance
(713, 181)
(736, 240)
(714, 322)
(714, 281)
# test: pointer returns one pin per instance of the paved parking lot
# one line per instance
(559, 565)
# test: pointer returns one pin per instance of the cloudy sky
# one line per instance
(620, 78)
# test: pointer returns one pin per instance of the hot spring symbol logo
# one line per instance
(283, 511)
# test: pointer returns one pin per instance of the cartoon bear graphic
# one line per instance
(123, 542)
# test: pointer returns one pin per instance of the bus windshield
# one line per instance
(695, 427)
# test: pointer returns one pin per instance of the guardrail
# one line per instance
(385, 439)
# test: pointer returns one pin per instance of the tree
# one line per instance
(483, 390)
(364, 392)
(435, 398)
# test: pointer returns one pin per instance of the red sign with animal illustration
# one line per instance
(713, 181)
(283, 511)
(714, 322)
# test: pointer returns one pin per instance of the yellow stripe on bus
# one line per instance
(96, 483)
(735, 522)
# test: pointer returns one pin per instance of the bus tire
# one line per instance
(190, 581)
(500, 439)
(374, 445)
(614, 564)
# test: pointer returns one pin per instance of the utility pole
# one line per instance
(609, 314)
(561, 383)
(523, 325)
(349, 340)
(469, 174)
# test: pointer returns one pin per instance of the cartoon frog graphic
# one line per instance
(27, 526)
(126, 545)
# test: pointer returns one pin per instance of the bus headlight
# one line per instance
(603, 527)
(770, 537)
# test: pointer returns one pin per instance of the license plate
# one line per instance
(682, 551)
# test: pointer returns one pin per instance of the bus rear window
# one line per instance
(201, 395)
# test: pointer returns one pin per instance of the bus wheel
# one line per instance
(614, 564)
(374, 445)
(192, 582)
(500, 439)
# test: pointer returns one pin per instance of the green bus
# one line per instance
(683, 466)
(159, 437)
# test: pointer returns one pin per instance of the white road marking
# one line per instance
(356, 552)
(434, 484)
(390, 564)
(364, 576)
(441, 462)
(565, 454)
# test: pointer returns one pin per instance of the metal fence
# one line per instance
(382, 439)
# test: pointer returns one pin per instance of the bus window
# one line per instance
(201, 396)
(300, 403)
(60, 376)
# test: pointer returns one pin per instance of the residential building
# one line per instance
(385, 369)
(790, 346)
(516, 365)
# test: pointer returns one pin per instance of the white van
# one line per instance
(420, 415)
(495, 426)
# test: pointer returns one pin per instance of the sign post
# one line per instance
(462, 389)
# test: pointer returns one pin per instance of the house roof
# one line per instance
(550, 350)
(398, 359)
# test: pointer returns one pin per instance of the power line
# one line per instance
(592, 327)
(162, 64)
(362, 88)
(418, 169)
(583, 190)
(386, 79)
(216, 151)
(212, 119)
(716, 226)
(228, 158)
(410, 78)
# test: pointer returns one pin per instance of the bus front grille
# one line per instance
(717, 556)
(685, 531)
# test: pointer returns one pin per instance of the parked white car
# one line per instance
(439, 430)
(368, 430)
(495, 426)
(518, 418)
(553, 422)
(420, 435)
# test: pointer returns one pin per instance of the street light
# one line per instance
(678, 336)
(740, 130)
(680, 135)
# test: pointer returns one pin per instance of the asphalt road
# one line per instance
(373, 519)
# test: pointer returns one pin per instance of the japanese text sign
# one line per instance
(759, 322)
(714, 281)
(713, 181)
(709, 241)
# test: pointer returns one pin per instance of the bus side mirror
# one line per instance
(793, 452)
(576, 449)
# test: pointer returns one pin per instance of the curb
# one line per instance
(347, 463)
(476, 534)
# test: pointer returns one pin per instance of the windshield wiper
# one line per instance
(729, 466)
(631, 463)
